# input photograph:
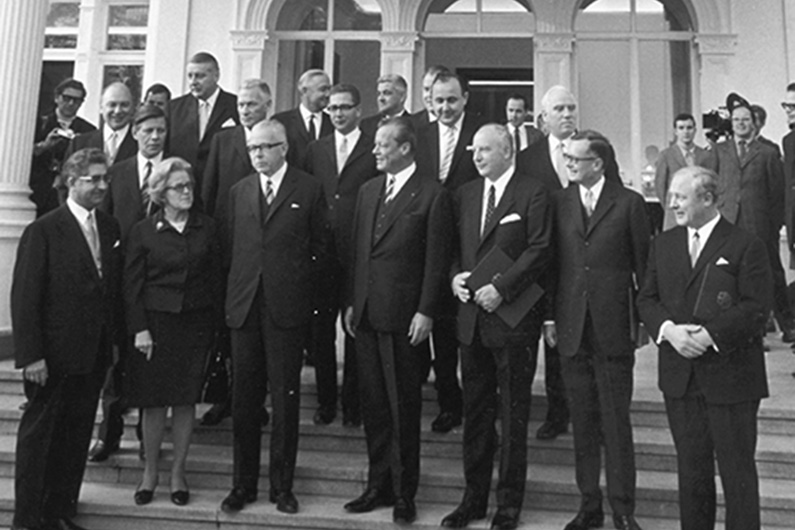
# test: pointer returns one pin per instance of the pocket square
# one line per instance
(510, 218)
(721, 261)
(117, 243)
(228, 123)
(295, 206)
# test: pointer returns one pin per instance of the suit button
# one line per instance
(587, 268)
(587, 243)
(337, 196)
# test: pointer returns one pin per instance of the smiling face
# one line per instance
(390, 98)
(743, 123)
(345, 114)
(691, 205)
(448, 101)
(117, 106)
(315, 92)
(491, 153)
(583, 165)
(390, 156)
(89, 190)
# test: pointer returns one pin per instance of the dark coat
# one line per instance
(298, 139)
(670, 161)
(127, 148)
(462, 167)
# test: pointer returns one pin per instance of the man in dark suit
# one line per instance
(127, 201)
(601, 235)
(158, 95)
(442, 152)
(392, 91)
(194, 118)
(516, 112)
(65, 305)
(427, 115)
(53, 132)
(788, 144)
(227, 164)
(684, 152)
(509, 212)
(343, 161)
(307, 122)
(705, 298)
(402, 239)
(752, 197)
(277, 220)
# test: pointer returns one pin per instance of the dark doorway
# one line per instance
(53, 72)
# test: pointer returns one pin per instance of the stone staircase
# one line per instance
(332, 468)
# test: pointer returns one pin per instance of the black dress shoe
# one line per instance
(585, 520)
(464, 514)
(550, 430)
(216, 414)
(368, 501)
(505, 519)
(180, 497)
(405, 511)
(143, 497)
(237, 499)
(625, 522)
(445, 422)
(65, 523)
(325, 415)
(285, 501)
(102, 450)
(265, 417)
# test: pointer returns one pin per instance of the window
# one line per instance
(127, 26)
(480, 16)
(63, 21)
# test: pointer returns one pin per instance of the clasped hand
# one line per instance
(689, 340)
(487, 297)
(144, 343)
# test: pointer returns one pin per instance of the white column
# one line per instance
(716, 53)
(249, 49)
(552, 64)
(21, 48)
(398, 50)
(167, 45)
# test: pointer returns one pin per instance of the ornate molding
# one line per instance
(248, 39)
(716, 44)
(401, 41)
(554, 42)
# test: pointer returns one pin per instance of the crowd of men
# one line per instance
(436, 238)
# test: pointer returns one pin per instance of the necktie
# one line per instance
(560, 165)
(92, 238)
(204, 117)
(695, 248)
(112, 146)
(447, 153)
(517, 140)
(312, 129)
(390, 189)
(589, 202)
(146, 200)
(342, 154)
(269, 191)
(689, 159)
(743, 149)
(490, 205)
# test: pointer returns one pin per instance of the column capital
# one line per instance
(248, 39)
(723, 44)
(399, 41)
(554, 42)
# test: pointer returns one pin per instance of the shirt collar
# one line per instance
(212, 98)
(276, 179)
(401, 177)
(107, 131)
(704, 232)
(456, 125)
(142, 160)
(305, 113)
(499, 185)
(554, 141)
(352, 137)
(596, 189)
(80, 213)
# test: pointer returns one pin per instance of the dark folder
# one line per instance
(717, 293)
(494, 263)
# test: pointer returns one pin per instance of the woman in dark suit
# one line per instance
(172, 291)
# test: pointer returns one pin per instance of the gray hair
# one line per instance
(159, 178)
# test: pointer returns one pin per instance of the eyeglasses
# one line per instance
(181, 188)
(263, 147)
(345, 107)
(95, 179)
(787, 106)
(71, 99)
(570, 159)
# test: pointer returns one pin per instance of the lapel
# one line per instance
(506, 201)
(753, 150)
(191, 119)
(218, 110)
(573, 209)
(402, 201)
(131, 188)
(326, 127)
(330, 179)
(461, 145)
(605, 203)
(358, 150)
(106, 245)
(369, 209)
(680, 158)
(433, 145)
(73, 232)
(549, 167)
(251, 196)
(716, 240)
(287, 187)
(300, 126)
(239, 144)
(472, 204)
(701, 155)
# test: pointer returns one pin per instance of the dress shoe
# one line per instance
(180, 497)
(405, 511)
(237, 499)
(788, 335)
(550, 430)
(464, 514)
(285, 501)
(371, 499)
(505, 519)
(265, 417)
(143, 497)
(325, 415)
(65, 524)
(102, 450)
(585, 520)
(445, 422)
(625, 522)
(216, 414)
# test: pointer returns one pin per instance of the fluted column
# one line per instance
(21, 46)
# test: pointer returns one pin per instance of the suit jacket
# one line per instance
(48, 163)
(123, 199)
(600, 262)
(62, 310)
(298, 137)
(227, 164)
(341, 190)
(369, 125)
(462, 167)
(277, 252)
(670, 161)
(533, 134)
(751, 193)
(127, 148)
(788, 142)
(733, 275)
(420, 119)
(183, 128)
(770, 143)
(527, 240)
(403, 271)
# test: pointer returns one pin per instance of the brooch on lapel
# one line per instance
(724, 300)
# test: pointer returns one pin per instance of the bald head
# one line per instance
(116, 105)
(559, 109)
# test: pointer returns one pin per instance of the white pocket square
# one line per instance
(117, 244)
(295, 206)
(721, 261)
(510, 218)
(228, 123)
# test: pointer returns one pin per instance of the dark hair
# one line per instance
(342, 88)
(759, 113)
(69, 83)
(158, 88)
(684, 116)
(517, 95)
(404, 131)
(78, 164)
(791, 87)
(147, 112)
(598, 144)
(447, 76)
(436, 69)
(204, 58)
